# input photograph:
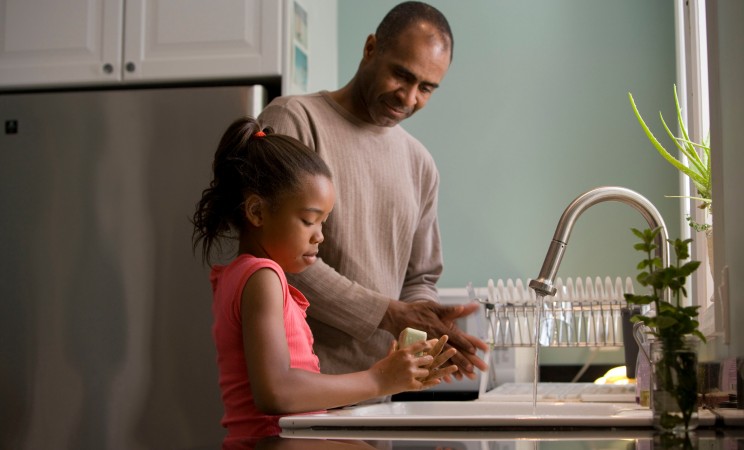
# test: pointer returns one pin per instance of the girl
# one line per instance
(273, 193)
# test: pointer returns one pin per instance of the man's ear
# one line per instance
(253, 209)
(370, 46)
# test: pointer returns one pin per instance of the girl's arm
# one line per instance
(280, 389)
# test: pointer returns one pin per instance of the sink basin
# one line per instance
(481, 408)
(477, 414)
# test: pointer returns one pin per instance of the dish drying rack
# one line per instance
(583, 313)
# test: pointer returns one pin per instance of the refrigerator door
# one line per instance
(105, 312)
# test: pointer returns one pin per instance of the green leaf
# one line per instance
(699, 335)
(689, 267)
(694, 171)
(639, 299)
(666, 321)
(698, 168)
(672, 321)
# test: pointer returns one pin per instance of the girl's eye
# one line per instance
(307, 222)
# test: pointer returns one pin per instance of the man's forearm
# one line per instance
(339, 302)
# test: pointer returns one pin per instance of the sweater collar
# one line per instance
(354, 119)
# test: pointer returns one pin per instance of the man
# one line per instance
(382, 239)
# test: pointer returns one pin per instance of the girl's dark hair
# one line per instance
(246, 163)
(404, 15)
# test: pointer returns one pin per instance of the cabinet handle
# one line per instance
(130, 67)
(108, 68)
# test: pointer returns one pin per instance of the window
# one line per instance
(692, 87)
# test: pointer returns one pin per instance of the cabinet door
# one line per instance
(167, 40)
(60, 42)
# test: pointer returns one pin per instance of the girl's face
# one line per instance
(292, 228)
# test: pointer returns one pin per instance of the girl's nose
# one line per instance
(318, 237)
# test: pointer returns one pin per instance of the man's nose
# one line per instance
(408, 95)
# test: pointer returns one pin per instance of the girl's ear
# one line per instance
(253, 208)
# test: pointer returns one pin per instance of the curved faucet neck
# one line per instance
(544, 283)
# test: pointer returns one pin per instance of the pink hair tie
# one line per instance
(259, 134)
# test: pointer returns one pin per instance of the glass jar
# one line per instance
(674, 384)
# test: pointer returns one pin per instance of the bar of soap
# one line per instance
(410, 336)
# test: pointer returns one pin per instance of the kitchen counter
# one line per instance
(606, 439)
(483, 414)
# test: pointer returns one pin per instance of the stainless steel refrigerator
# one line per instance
(104, 310)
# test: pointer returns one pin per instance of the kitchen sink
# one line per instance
(479, 414)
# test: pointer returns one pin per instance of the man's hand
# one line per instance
(438, 320)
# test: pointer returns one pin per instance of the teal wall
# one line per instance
(533, 112)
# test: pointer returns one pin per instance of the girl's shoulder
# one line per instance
(242, 267)
(246, 260)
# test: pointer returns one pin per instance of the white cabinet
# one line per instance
(202, 39)
(54, 43)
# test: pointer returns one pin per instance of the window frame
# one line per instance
(693, 94)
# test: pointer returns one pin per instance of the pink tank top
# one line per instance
(242, 418)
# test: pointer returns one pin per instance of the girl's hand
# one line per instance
(436, 372)
(402, 370)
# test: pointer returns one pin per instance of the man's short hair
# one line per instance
(405, 14)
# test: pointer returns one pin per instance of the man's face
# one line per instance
(398, 81)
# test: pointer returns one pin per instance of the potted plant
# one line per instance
(696, 165)
(674, 328)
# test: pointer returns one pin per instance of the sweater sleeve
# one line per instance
(339, 302)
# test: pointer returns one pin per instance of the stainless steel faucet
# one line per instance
(543, 285)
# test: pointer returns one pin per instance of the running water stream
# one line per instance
(539, 302)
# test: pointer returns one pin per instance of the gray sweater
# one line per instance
(382, 238)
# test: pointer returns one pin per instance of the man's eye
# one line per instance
(404, 76)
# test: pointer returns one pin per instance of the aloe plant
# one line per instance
(698, 166)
